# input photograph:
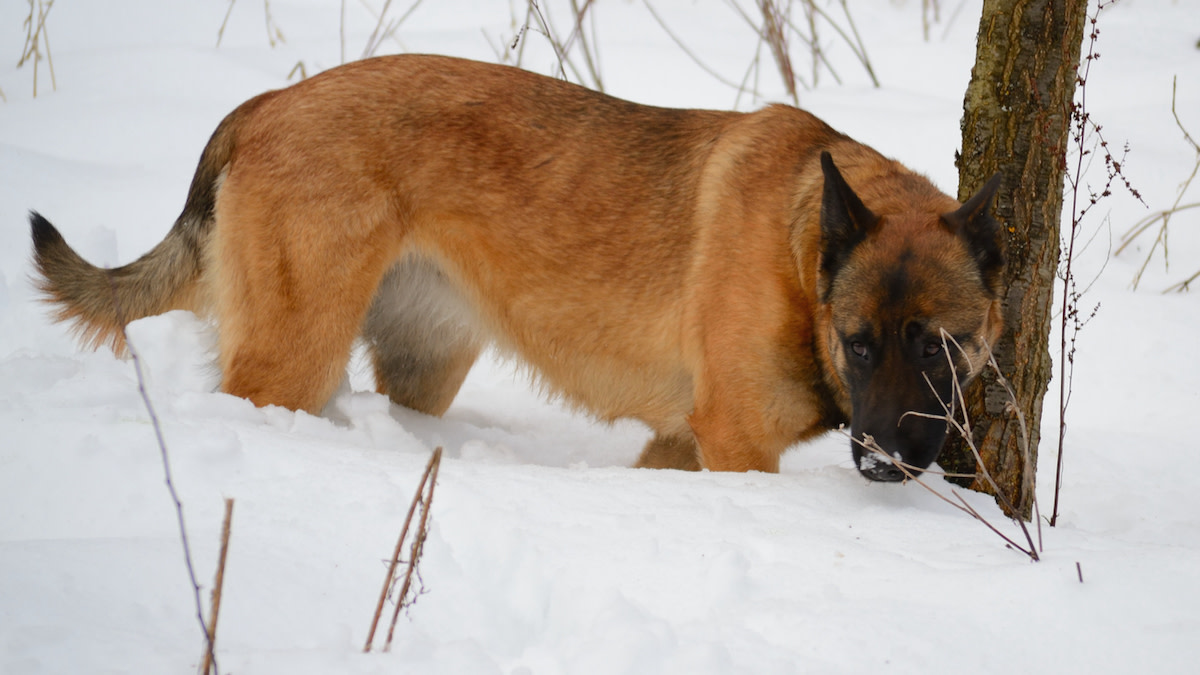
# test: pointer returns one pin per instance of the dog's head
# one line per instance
(911, 300)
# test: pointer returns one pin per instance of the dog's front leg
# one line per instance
(733, 433)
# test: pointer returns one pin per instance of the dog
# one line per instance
(739, 282)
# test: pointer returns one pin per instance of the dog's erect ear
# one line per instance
(974, 223)
(845, 221)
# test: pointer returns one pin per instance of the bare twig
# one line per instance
(166, 462)
(774, 19)
(533, 13)
(963, 428)
(36, 37)
(214, 609)
(274, 33)
(424, 498)
(852, 39)
(224, 22)
(298, 69)
(591, 57)
(1163, 218)
(684, 48)
(930, 14)
(382, 32)
(1084, 130)
(910, 473)
(418, 547)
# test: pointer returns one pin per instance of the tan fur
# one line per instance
(650, 263)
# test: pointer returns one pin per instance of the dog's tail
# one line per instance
(99, 302)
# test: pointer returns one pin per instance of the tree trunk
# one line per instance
(1016, 118)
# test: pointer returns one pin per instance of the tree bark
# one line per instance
(1016, 119)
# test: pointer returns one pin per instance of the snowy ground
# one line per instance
(546, 555)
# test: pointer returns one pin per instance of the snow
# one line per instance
(546, 555)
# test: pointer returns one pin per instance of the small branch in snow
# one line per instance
(963, 428)
(166, 462)
(37, 40)
(208, 665)
(1163, 217)
(910, 473)
(424, 498)
(1087, 137)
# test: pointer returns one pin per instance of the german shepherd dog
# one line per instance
(739, 282)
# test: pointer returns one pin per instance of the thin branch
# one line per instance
(963, 429)
(690, 54)
(389, 581)
(214, 610)
(418, 547)
(166, 462)
(36, 36)
(1084, 128)
(1164, 217)
(910, 473)
(380, 33)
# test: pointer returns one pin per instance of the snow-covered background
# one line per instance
(546, 555)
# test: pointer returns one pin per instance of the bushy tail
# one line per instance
(99, 302)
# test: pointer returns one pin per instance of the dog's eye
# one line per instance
(932, 349)
(859, 349)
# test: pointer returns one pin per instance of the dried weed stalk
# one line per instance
(962, 427)
(424, 498)
(208, 663)
(37, 41)
(580, 42)
(1163, 218)
(274, 34)
(166, 462)
(385, 26)
(1087, 137)
(777, 27)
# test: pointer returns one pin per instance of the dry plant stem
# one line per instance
(166, 462)
(534, 12)
(214, 609)
(929, 7)
(961, 505)
(1164, 217)
(390, 579)
(753, 68)
(224, 22)
(274, 34)
(853, 40)
(1069, 321)
(963, 429)
(591, 60)
(1183, 285)
(690, 54)
(561, 47)
(380, 33)
(35, 37)
(772, 32)
(418, 546)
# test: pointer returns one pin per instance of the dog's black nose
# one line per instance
(884, 473)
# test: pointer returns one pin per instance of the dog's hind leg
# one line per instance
(292, 284)
(422, 337)
(670, 452)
